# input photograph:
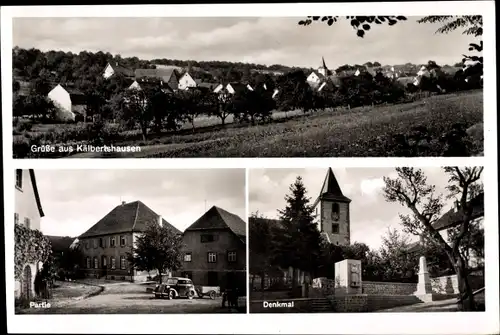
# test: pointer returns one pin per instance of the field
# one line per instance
(435, 126)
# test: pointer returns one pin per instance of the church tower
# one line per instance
(323, 70)
(332, 212)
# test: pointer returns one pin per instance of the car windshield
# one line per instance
(171, 281)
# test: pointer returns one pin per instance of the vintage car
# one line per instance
(175, 287)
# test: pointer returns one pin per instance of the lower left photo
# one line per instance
(129, 241)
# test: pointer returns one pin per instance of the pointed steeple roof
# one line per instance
(331, 189)
(323, 64)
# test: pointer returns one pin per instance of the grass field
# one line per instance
(359, 132)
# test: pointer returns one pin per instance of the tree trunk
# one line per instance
(144, 133)
(464, 286)
(223, 120)
(466, 299)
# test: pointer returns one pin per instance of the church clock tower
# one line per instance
(332, 212)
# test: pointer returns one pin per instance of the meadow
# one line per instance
(435, 126)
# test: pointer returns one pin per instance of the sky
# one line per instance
(75, 200)
(371, 215)
(262, 40)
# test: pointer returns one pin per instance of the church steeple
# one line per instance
(323, 70)
(333, 211)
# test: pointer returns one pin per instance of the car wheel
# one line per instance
(157, 295)
(212, 295)
(190, 295)
(171, 295)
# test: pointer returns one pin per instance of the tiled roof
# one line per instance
(60, 243)
(121, 69)
(165, 74)
(453, 218)
(218, 218)
(129, 217)
(238, 87)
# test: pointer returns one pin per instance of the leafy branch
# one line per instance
(359, 23)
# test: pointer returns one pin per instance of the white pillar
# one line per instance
(424, 281)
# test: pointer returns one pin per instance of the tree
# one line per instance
(299, 243)
(398, 264)
(158, 248)
(261, 242)
(136, 110)
(411, 190)
(471, 25)
(222, 111)
(359, 23)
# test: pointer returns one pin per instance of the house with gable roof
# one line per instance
(168, 75)
(70, 103)
(106, 244)
(215, 250)
(114, 68)
(28, 213)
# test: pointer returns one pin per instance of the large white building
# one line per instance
(28, 212)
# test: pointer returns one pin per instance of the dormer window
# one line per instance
(19, 179)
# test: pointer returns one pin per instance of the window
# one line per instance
(335, 228)
(27, 223)
(335, 211)
(187, 257)
(95, 243)
(16, 218)
(122, 240)
(122, 263)
(212, 257)
(88, 263)
(112, 241)
(87, 244)
(208, 238)
(104, 262)
(113, 263)
(231, 256)
(171, 281)
(96, 263)
(187, 274)
(19, 179)
(102, 243)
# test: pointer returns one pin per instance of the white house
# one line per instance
(218, 88)
(113, 68)
(28, 212)
(186, 81)
(69, 102)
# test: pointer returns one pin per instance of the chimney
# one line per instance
(457, 206)
(160, 220)
(123, 203)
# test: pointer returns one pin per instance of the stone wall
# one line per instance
(353, 303)
(445, 285)
(388, 288)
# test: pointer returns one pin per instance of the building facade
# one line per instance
(332, 212)
(107, 244)
(28, 212)
(214, 252)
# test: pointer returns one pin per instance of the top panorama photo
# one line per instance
(171, 87)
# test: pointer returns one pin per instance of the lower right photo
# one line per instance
(346, 240)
